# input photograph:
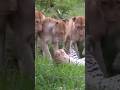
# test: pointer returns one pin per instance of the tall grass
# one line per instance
(50, 76)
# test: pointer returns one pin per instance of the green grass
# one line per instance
(67, 8)
(77, 10)
(58, 77)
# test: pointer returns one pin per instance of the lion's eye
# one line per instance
(37, 21)
(78, 27)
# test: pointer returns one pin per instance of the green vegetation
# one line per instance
(50, 76)
(61, 8)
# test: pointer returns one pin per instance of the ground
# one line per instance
(50, 76)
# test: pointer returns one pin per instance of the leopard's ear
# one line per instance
(74, 18)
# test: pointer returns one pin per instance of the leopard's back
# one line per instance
(95, 79)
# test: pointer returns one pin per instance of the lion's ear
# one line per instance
(65, 20)
(56, 23)
(74, 18)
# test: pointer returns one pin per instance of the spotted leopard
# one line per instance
(95, 79)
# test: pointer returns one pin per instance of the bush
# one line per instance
(61, 8)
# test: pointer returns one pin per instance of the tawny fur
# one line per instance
(53, 31)
(39, 18)
(75, 31)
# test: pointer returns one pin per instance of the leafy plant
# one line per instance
(61, 8)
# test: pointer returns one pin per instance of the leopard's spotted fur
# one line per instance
(95, 79)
